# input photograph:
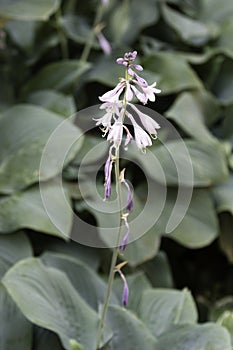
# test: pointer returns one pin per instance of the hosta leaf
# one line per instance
(189, 30)
(199, 226)
(26, 210)
(211, 10)
(54, 101)
(174, 74)
(144, 248)
(77, 29)
(15, 330)
(129, 331)
(48, 299)
(90, 287)
(128, 19)
(194, 112)
(28, 9)
(178, 159)
(24, 132)
(161, 308)
(159, 272)
(60, 76)
(13, 248)
(193, 337)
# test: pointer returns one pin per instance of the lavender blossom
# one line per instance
(114, 94)
(129, 204)
(149, 124)
(125, 294)
(142, 139)
(115, 133)
(125, 240)
(105, 2)
(104, 43)
(108, 173)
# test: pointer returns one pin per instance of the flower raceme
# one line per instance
(118, 112)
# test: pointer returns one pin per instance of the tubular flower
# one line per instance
(108, 175)
(125, 294)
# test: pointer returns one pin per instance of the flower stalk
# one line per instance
(113, 126)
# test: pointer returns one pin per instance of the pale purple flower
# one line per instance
(105, 2)
(125, 239)
(114, 94)
(125, 294)
(104, 43)
(129, 203)
(108, 174)
(116, 133)
(129, 57)
(149, 124)
(147, 93)
(142, 139)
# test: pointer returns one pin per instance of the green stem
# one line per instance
(87, 48)
(62, 36)
(114, 255)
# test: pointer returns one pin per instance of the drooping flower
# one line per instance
(142, 139)
(125, 294)
(150, 125)
(108, 176)
(129, 203)
(104, 43)
(147, 92)
(125, 239)
(114, 94)
(116, 133)
(105, 2)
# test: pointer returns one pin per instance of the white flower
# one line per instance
(142, 139)
(116, 133)
(114, 94)
(149, 124)
(148, 92)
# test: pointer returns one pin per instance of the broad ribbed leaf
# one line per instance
(192, 337)
(28, 9)
(179, 159)
(129, 331)
(191, 31)
(54, 101)
(15, 330)
(88, 284)
(194, 112)
(174, 74)
(60, 76)
(24, 132)
(13, 248)
(162, 308)
(26, 210)
(48, 299)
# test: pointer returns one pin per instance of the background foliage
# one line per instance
(51, 290)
